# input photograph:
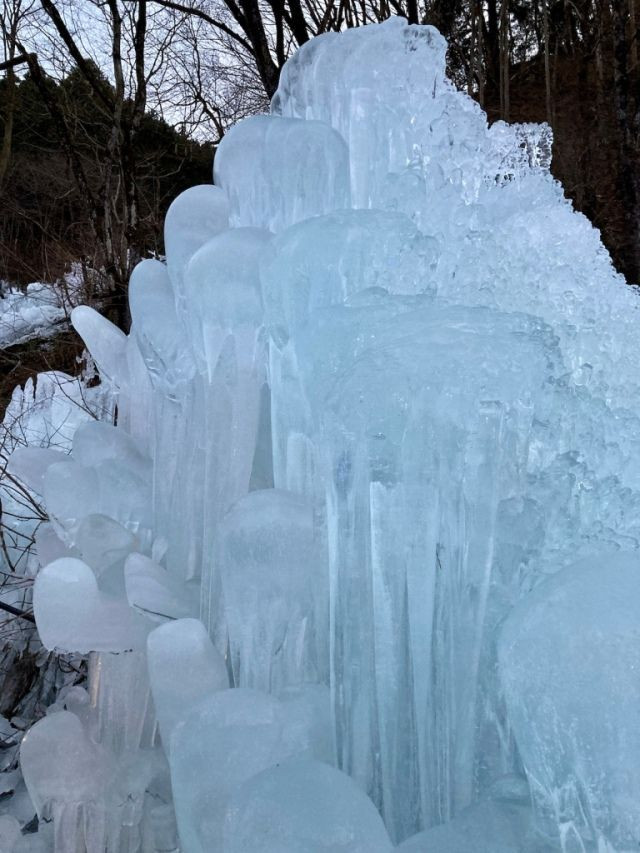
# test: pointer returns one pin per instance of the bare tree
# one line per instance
(628, 114)
(114, 203)
(265, 33)
(14, 15)
(125, 59)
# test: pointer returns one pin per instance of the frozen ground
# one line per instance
(34, 313)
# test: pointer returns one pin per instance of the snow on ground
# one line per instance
(28, 314)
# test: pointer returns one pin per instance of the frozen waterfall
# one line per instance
(358, 566)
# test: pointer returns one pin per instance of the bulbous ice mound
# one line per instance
(196, 215)
(318, 79)
(61, 763)
(284, 168)
(167, 354)
(227, 738)
(223, 291)
(493, 825)
(303, 807)
(184, 667)
(74, 616)
(569, 661)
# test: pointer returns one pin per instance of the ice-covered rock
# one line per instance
(36, 312)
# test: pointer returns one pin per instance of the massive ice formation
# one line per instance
(382, 394)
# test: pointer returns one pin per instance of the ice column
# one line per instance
(224, 321)
(414, 482)
(274, 592)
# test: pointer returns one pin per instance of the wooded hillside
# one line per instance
(88, 166)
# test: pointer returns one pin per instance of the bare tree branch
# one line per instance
(17, 60)
(214, 22)
(22, 614)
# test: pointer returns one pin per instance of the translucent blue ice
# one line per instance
(378, 427)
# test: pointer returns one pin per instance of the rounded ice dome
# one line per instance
(303, 807)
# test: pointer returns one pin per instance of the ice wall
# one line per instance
(385, 316)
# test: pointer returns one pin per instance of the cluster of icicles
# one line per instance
(357, 566)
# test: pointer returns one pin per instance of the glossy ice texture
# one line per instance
(365, 538)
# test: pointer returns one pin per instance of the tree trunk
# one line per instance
(491, 41)
(505, 63)
(628, 142)
(633, 23)
(7, 133)
(547, 68)
(10, 38)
